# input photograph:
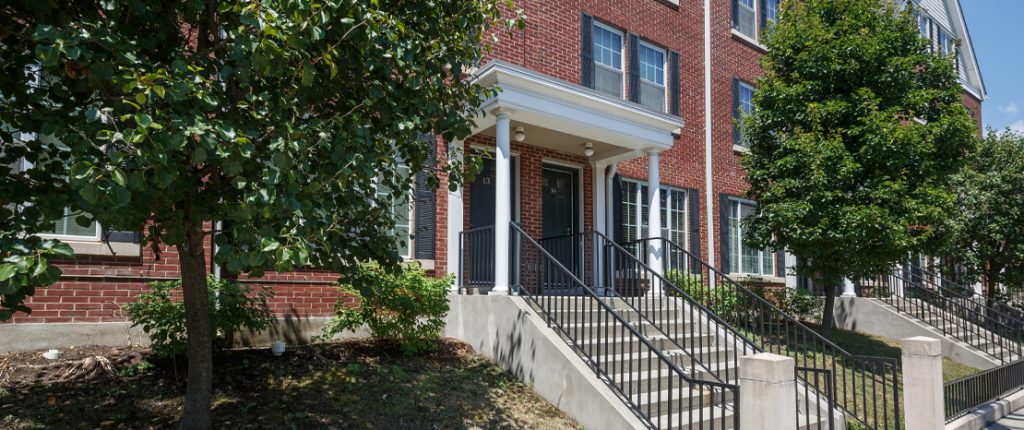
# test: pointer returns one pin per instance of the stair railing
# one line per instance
(953, 315)
(476, 258)
(866, 388)
(654, 386)
(991, 314)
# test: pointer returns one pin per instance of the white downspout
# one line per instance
(708, 192)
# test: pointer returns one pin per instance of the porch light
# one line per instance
(588, 149)
(520, 133)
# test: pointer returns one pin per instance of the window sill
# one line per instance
(426, 265)
(115, 249)
(747, 40)
(740, 149)
(756, 279)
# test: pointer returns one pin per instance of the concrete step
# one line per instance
(688, 398)
(704, 418)
(658, 379)
(604, 326)
(623, 342)
(707, 357)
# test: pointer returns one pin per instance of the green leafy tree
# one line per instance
(857, 131)
(285, 119)
(988, 229)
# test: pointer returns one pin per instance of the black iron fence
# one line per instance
(810, 404)
(476, 265)
(866, 388)
(966, 394)
(653, 384)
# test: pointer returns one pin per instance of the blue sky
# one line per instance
(995, 27)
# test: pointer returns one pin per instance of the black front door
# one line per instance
(560, 219)
(478, 245)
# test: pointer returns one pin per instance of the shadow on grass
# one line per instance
(338, 385)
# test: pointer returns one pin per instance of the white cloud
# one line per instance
(1010, 108)
(1018, 126)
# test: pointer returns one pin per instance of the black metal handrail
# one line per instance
(969, 393)
(476, 262)
(866, 388)
(710, 342)
(951, 314)
(662, 393)
(990, 313)
(631, 279)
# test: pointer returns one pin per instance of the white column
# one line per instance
(898, 288)
(654, 251)
(599, 223)
(767, 392)
(922, 383)
(848, 289)
(790, 270)
(455, 220)
(502, 199)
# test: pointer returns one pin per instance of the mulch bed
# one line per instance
(353, 384)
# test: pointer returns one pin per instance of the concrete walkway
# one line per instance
(1009, 422)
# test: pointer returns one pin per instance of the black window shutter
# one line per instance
(693, 206)
(634, 68)
(122, 236)
(673, 83)
(619, 233)
(735, 15)
(425, 205)
(587, 51)
(723, 231)
(780, 263)
(735, 111)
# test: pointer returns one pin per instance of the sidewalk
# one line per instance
(1009, 422)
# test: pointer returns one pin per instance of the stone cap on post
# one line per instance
(768, 368)
(921, 346)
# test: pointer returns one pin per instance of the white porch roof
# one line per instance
(620, 129)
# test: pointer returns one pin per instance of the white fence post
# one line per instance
(767, 392)
(922, 384)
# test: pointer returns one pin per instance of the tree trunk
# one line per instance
(192, 257)
(827, 317)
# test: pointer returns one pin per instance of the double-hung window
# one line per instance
(608, 60)
(635, 210)
(744, 259)
(401, 214)
(652, 76)
(744, 104)
(744, 19)
(67, 227)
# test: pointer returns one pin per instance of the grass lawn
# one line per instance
(355, 384)
(865, 344)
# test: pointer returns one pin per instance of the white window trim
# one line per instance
(622, 56)
(664, 72)
(736, 249)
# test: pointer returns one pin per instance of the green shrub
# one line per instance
(803, 306)
(405, 306)
(161, 313)
(722, 301)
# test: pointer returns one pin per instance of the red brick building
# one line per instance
(602, 101)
